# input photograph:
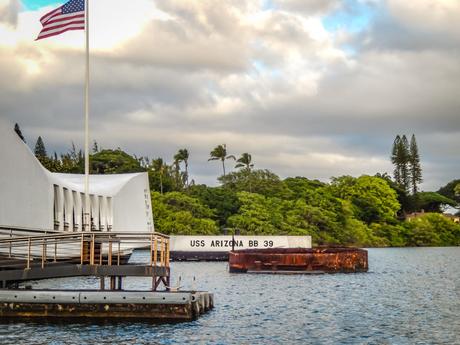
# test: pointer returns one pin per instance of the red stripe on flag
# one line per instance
(50, 15)
(58, 33)
(64, 25)
(59, 19)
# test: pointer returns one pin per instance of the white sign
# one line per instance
(224, 243)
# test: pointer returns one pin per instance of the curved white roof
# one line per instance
(107, 185)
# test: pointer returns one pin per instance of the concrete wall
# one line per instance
(132, 208)
(31, 196)
(26, 195)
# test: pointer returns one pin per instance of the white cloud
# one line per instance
(428, 15)
(272, 82)
(9, 12)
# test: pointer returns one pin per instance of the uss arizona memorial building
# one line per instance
(31, 197)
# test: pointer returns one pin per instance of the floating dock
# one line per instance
(148, 305)
(50, 256)
(299, 260)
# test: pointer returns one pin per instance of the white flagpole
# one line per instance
(87, 218)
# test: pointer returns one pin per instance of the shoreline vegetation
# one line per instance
(364, 211)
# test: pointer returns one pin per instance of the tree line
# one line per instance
(363, 211)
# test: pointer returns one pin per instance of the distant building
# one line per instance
(414, 215)
(33, 197)
(454, 218)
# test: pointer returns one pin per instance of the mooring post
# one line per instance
(92, 249)
(28, 253)
(11, 236)
(109, 259)
(82, 251)
(43, 254)
(118, 256)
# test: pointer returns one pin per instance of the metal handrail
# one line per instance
(91, 246)
(132, 234)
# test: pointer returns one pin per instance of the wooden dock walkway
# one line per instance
(98, 254)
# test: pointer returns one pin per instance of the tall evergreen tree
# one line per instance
(400, 159)
(395, 160)
(415, 169)
(95, 147)
(404, 159)
(40, 150)
(17, 129)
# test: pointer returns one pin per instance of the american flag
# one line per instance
(70, 16)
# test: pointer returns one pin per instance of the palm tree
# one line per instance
(182, 156)
(220, 153)
(159, 166)
(245, 161)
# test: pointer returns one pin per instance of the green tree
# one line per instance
(400, 159)
(177, 213)
(156, 174)
(95, 147)
(220, 153)
(245, 161)
(40, 150)
(18, 131)
(432, 229)
(415, 169)
(396, 159)
(302, 187)
(433, 202)
(405, 154)
(72, 162)
(182, 156)
(178, 176)
(114, 162)
(407, 202)
(372, 197)
(449, 190)
(223, 201)
(258, 215)
(263, 182)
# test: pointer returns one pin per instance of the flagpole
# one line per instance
(87, 220)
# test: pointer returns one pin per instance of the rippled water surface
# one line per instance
(409, 296)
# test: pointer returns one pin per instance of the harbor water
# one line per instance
(409, 296)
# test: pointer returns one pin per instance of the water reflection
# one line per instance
(410, 296)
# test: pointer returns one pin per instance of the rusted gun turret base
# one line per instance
(314, 260)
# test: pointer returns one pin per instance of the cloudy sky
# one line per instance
(317, 88)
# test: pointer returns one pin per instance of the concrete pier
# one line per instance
(148, 305)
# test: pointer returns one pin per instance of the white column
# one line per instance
(95, 211)
(68, 209)
(85, 208)
(78, 211)
(56, 206)
(60, 207)
(103, 212)
(110, 213)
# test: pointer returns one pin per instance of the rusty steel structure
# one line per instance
(89, 253)
(314, 260)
